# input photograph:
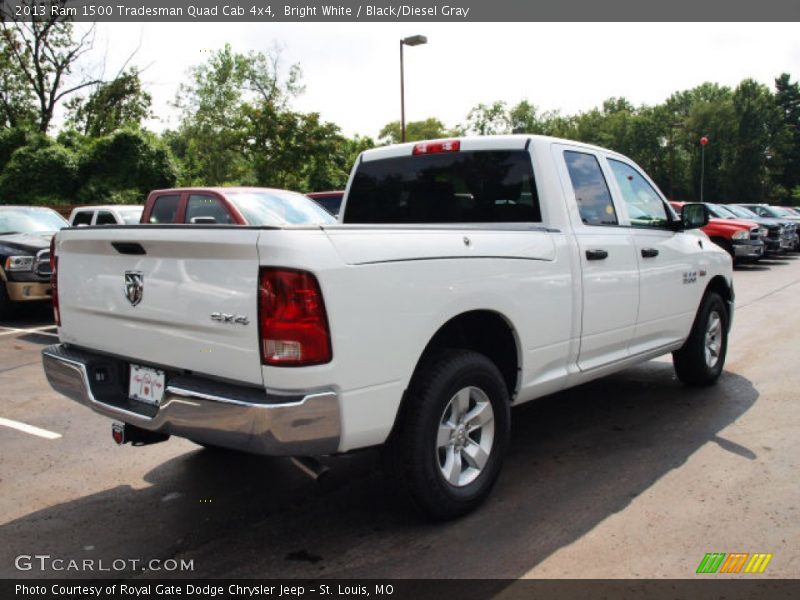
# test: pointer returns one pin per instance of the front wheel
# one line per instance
(448, 448)
(700, 360)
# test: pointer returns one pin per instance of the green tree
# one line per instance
(524, 117)
(757, 130)
(10, 140)
(429, 129)
(787, 99)
(124, 166)
(41, 53)
(491, 119)
(17, 107)
(113, 105)
(298, 151)
(216, 106)
(706, 110)
(41, 172)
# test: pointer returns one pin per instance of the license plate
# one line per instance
(146, 385)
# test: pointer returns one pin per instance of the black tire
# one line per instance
(691, 362)
(413, 456)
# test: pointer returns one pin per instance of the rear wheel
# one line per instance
(448, 448)
(702, 357)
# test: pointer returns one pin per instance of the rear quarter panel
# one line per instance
(387, 292)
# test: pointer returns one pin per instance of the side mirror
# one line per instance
(694, 216)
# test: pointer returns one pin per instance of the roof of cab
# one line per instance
(478, 142)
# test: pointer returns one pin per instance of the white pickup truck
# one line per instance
(462, 278)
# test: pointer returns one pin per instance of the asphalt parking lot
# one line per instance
(632, 476)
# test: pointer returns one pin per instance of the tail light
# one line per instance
(436, 147)
(54, 281)
(292, 320)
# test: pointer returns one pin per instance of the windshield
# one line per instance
(718, 211)
(769, 211)
(30, 220)
(741, 211)
(130, 216)
(279, 208)
(782, 212)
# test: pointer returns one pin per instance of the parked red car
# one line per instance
(231, 206)
(742, 239)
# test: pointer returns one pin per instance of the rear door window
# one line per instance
(591, 189)
(165, 209)
(450, 187)
(204, 208)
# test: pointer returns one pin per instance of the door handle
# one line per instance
(649, 252)
(596, 254)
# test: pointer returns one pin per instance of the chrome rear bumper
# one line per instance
(203, 410)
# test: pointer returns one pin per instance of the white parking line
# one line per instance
(37, 330)
(24, 427)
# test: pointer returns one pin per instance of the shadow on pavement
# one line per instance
(576, 458)
(35, 314)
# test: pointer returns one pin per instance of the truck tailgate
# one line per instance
(185, 275)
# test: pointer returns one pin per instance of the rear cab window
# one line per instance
(476, 186)
(206, 209)
(84, 217)
(105, 218)
(165, 208)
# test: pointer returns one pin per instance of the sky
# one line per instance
(351, 70)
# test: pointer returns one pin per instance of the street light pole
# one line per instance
(703, 142)
(414, 40)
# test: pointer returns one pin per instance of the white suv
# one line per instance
(105, 215)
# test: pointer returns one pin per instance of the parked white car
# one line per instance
(463, 277)
(112, 214)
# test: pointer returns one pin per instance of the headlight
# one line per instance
(742, 234)
(762, 232)
(19, 263)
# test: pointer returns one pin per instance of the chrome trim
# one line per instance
(184, 393)
(308, 426)
(42, 258)
(134, 287)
